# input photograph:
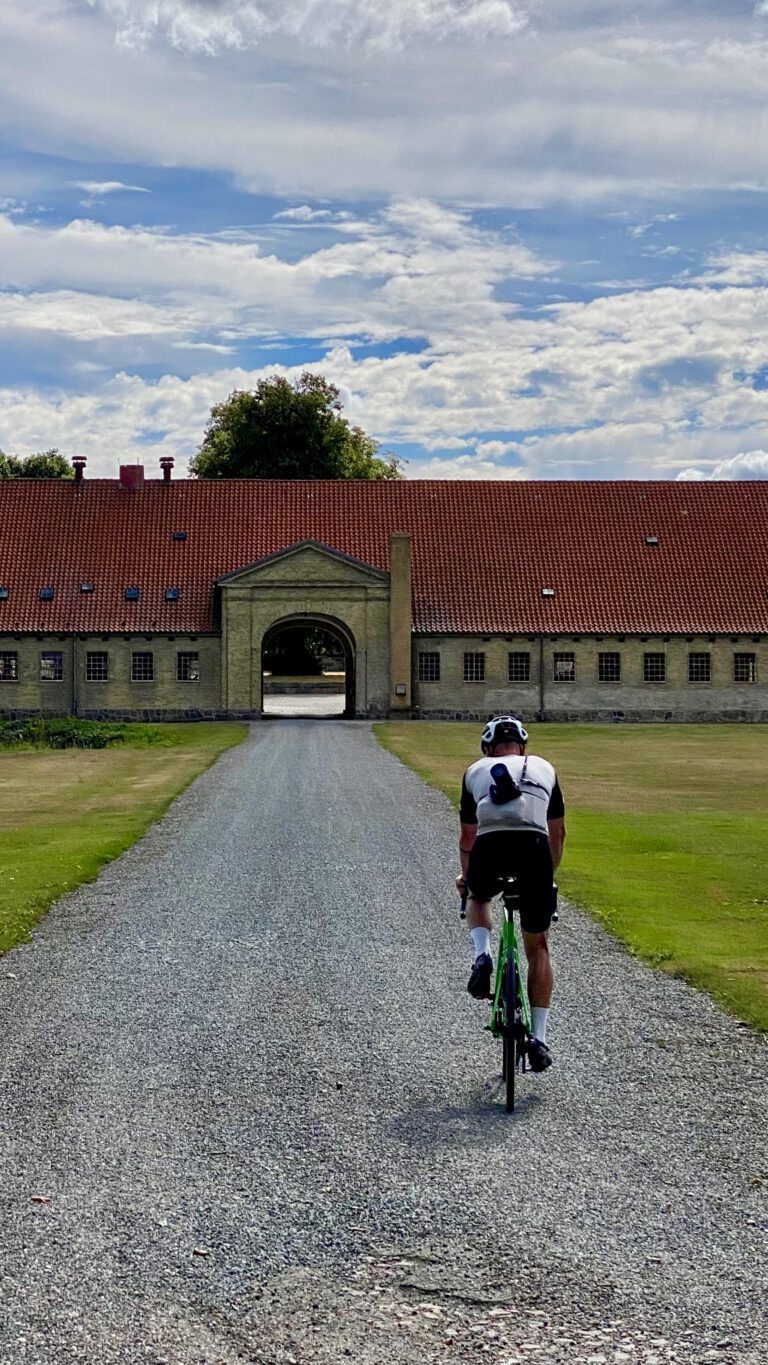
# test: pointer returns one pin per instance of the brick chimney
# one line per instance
(131, 476)
(78, 464)
(166, 464)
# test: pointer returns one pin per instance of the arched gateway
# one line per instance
(366, 608)
(329, 625)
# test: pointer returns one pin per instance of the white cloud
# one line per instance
(752, 464)
(207, 25)
(98, 189)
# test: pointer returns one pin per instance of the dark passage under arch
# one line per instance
(295, 651)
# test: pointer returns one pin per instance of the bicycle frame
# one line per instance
(508, 946)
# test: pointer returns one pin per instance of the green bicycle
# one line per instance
(510, 1008)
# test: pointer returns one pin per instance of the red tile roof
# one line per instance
(482, 552)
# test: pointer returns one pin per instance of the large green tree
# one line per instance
(283, 430)
(45, 464)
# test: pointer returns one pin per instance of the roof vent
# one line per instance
(46, 594)
(131, 594)
(179, 535)
(131, 475)
(171, 594)
(78, 464)
(166, 464)
(651, 540)
(86, 587)
(547, 592)
(4, 594)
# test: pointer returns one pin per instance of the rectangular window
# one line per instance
(9, 666)
(699, 668)
(474, 667)
(97, 666)
(51, 666)
(142, 667)
(429, 666)
(519, 668)
(609, 668)
(188, 667)
(564, 669)
(744, 668)
(654, 668)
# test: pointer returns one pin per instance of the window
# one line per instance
(46, 594)
(188, 667)
(609, 668)
(519, 668)
(97, 666)
(171, 594)
(654, 668)
(429, 666)
(744, 668)
(142, 668)
(131, 594)
(9, 666)
(474, 667)
(699, 668)
(564, 669)
(51, 666)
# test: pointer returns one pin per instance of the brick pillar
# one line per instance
(400, 624)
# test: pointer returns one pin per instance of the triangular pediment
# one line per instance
(307, 561)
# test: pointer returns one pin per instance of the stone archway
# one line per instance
(332, 626)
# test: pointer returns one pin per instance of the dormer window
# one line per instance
(131, 594)
(46, 594)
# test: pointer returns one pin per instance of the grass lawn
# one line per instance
(64, 814)
(667, 837)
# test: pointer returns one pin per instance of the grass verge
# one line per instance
(65, 813)
(667, 838)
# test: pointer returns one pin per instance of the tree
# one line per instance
(44, 464)
(281, 430)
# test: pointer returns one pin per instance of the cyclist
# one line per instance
(512, 824)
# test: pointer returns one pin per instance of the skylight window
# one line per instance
(172, 594)
(4, 594)
(86, 587)
(179, 535)
(547, 592)
(131, 594)
(46, 594)
(651, 540)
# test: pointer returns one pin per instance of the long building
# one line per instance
(154, 598)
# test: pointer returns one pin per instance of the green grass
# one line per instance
(667, 838)
(65, 813)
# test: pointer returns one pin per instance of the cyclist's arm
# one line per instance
(468, 818)
(556, 824)
(556, 831)
(466, 840)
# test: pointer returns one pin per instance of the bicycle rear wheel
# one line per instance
(510, 1032)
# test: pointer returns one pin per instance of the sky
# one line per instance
(527, 239)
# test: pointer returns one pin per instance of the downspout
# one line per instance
(73, 690)
(541, 677)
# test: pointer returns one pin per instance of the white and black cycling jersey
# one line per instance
(540, 799)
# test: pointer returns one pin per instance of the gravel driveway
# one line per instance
(243, 1073)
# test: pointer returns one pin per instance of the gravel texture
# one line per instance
(242, 1071)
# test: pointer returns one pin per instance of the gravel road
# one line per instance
(248, 1112)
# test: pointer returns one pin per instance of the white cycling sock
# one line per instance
(481, 941)
(539, 1017)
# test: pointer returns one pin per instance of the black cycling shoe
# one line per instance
(539, 1055)
(479, 984)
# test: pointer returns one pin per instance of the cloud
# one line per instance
(752, 464)
(209, 25)
(100, 188)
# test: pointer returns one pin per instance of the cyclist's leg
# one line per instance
(535, 880)
(482, 878)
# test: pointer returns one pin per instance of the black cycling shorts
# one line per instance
(524, 854)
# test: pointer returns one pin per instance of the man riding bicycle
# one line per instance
(512, 824)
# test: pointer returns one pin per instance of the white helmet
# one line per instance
(503, 730)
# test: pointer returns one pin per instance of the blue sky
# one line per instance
(526, 238)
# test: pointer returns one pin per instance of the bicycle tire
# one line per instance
(510, 1032)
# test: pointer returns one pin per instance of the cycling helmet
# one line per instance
(503, 730)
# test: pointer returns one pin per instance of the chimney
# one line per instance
(166, 464)
(78, 464)
(400, 607)
(131, 475)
